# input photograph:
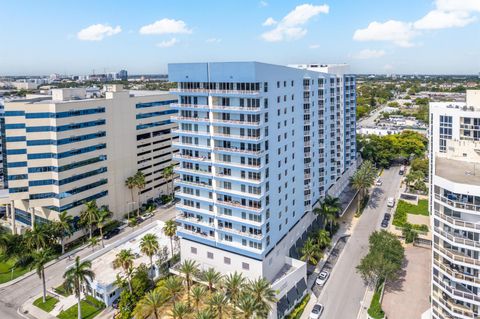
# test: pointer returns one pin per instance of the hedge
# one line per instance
(297, 312)
(404, 208)
(375, 311)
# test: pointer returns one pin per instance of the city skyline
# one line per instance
(405, 37)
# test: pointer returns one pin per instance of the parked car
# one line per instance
(390, 202)
(316, 311)
(378, 182)
(384, 223)
(387, 216)
(322, 278)
(115, 303)
(111, 233)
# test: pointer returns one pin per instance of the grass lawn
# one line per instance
(5, 270)
(61, 291)
(404, 208)
(88, 310)
(48, 305)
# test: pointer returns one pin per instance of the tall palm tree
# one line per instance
(64, 227)
(89, 216)
(168, 174)
(151, 303)
(38, 237)
(179, 311)
(198, 293)
(124, 260)
(75, 277)
(170, 230)
(204, 314)
(103, 218)
(261, 291)
(362, 180)
(323, 238)
(174, 286)
(189, 269)
(40, 259)
(310, 252)
(247, 306)
(233, 284)
(131, 184)
(211, 277)
(93, 242)
(149, 246)
(140, 184)
(218, 302)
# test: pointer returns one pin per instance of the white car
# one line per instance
(316, 311)
(322, 278)
(390, 202)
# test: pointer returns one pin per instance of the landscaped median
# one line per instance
(375, 310)
(91, 307)
(46, 306)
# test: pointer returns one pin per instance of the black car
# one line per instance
(384, 223)
(111, 233)
(387, 216)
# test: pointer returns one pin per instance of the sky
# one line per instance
(373, 36)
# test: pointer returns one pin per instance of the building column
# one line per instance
(32, 216)
(12, 216)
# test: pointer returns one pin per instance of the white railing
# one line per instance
(202, 90)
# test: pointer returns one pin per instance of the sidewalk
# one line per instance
(365, 304)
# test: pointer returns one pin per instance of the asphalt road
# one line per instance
(345, 289)
(370, 121)
(12, 297)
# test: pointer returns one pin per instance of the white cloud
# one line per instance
(458, 5)
(289, 28)
(437, 19)
(269, 22)
(398, 32)
(96, 32)
(314, 46)
(213, 40)
(166, 26)
(263, 4)
(369, 54)
(167, 43)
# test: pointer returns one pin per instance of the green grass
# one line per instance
(297, 312)
(48, 305)
(404, 208)
(375, 311)
(61, 291)
(6, 272)
(90, 309)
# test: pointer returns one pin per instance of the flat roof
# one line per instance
(462, 172)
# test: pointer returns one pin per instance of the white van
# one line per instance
(390, 202)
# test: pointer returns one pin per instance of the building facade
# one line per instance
(65, 150)
(455, 206)
(259, 146)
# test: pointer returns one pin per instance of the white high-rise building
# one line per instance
(455, 207)
(64, 150)
(259, 146)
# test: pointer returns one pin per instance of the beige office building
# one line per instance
(64, 150)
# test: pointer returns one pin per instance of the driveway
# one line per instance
(408, 297)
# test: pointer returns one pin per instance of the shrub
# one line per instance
(297, 312)
(375, 311)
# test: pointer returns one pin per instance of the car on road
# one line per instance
(378, 182)
(111, 233)
(384, 223)
(387, 216)
(316, 311)
(390, 202)
(322, 278)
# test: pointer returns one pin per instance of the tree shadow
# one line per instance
(397, 285)
(375, 198)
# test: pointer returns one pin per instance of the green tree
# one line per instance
(64, 227)
(409, 233)
(198, 293)
(151, 303)
(39, 237)
(40, 259)
(362, 180)
(140, 183)
(247, 306)
(189, 269)
(174, 287)
(233, 284)
(323, 238)
(211, 277)
(149, 246)
(124, 259)
(310, 252)
(204, 314)
(89, 216)
(93, 242)
(131, 184)
(75, 278)
(179, 310)
(170, 230)
(168, 175)
(218, 302)
(262, 293)
(103, 218)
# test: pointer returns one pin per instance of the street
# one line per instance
(13, 296)
(370, 120)
(345, 289)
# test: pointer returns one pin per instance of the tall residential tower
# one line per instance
(259, 146)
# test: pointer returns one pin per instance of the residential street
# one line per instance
(370, 120)
(12, 297)
(344, 291)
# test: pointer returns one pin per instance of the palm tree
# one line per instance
(218, 302)
(64, 227)
(170, 230)
(204, 314)
(310, 252)
(198, 293)
(189, 269)
(131, 184)
(179, 311)
(124, 260)
(103, 218)
(75, 277)
(362, 180)
(263, 294)
(247, 306)
(151, 304)
(168, 174)
(38, 237)
(328, 210)
(40, 259)
(93, 242)
(90, 215)
(174, 286)
(323, 238)
(233, 287)
(140, 184)
(211, 277)
(149, 246)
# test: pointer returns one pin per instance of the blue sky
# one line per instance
(374, 36)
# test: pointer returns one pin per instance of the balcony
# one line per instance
(455, 256)
(199, 233)
(456, 239)
(236, 137)
(456, 274)
(212, 91)
(191, 132)
(241, 233)
(237, 150)
(181, 144)
(190, 119)
(457, 204)
(236, 108)
(202, 172)
(193, 183)
(238, 165)
(453, 222)
(186, 106)
(237, 204)
(240, 220)
(205, 199)
(456, 293)
(236, 122)
(193, 209)
(238, 193)
(202, 159)
(194, 220)
(453, 307)
(239, 179)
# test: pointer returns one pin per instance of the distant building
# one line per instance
(122, 75)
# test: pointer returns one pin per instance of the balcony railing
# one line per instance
(455, 274)
(190, 118)
(194, 171)
(235, 164)
(192, 132)
(193, 158)
(453, 307)
(239, 232)
(202, 90)
(456, 222)
(458, 204)
(240, 137)
(191, 145)
(237, 178)
(236, 108)
(455, 292)
(194, 220)
(237, 150)
(456, 256)
(457, 239)
(255, 123)
(200, 184)
(187, 105)
(237, 204)
(197, 233)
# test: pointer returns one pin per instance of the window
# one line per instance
(193, 250)
(245, 266)
(227, 260)
(209, 255)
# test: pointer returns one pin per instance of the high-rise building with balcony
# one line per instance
(455, 207)
(259, 146)
(64, 150)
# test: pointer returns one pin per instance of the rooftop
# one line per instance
(462, 172)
